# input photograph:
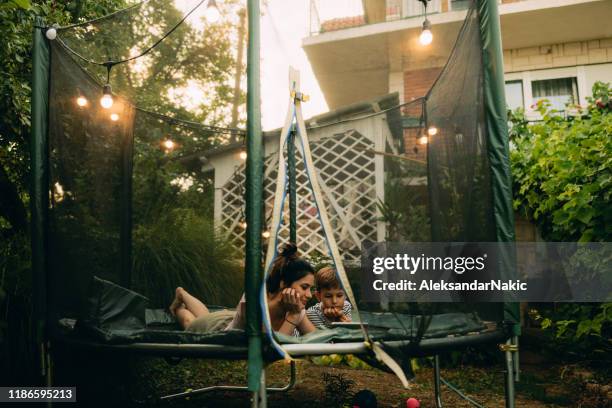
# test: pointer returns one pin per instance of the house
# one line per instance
(346, 146)
(553, 49)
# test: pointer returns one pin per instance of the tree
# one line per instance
(191, 55)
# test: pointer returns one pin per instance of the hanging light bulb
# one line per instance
(432, 131)
(169, 144)
(114, 117)
(265, 234)
(107, 98)
(212, 12)
(426, 36)
(81, 101)
(51, 33)
(243, 155)
(423, 140)
(243, 224)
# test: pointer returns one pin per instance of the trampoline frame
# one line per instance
(428, 347)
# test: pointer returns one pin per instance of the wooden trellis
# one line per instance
(347, 172)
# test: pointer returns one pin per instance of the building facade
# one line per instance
(553, 49)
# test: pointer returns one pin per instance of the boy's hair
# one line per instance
(326, 278)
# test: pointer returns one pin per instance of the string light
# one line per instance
(243, 224)
(114, 117)
(107, 99)
(212, 12)
(265, 234)
(243, 155)
(426, 36)
(51, 33)
(432, 131)
(169, 144)
(423, 140)
(81, 101)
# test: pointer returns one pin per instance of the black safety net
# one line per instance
(148, 194)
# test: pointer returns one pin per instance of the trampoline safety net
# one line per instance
(149, 194)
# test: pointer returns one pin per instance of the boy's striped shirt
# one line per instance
(318, 319)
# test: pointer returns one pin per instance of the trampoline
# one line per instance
(108, 182)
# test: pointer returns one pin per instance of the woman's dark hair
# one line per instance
(288, 267)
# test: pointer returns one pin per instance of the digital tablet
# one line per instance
(349, 325)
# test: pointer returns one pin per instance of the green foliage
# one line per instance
(181, 248)
(341, 359)
(562, 170)
(582, 331)
(168, 218)
(404, 210)
(337, 389)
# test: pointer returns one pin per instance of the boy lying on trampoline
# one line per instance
(332, 306)
(289, 289)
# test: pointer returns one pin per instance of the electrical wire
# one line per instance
(109, 64)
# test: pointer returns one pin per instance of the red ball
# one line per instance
(412, 403)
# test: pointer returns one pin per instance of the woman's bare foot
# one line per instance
(177, 302)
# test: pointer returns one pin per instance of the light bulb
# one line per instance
(212, 12)
(51, 33)
(243, 155)
(243, 224)
(432, 131)
(266, 234)
(423, 140)
(168, 144)
(426, 36)
(114, 117)
(81, 101)
(107, 99)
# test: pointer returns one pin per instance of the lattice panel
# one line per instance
(345, 165)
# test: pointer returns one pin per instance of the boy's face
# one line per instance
(331, 298)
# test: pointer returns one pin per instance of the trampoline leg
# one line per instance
(48, 369)
(515, 359)
(509, 349)
(263, 393)
(254, 397)
(437, 390)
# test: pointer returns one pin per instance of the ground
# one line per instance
(539, 388)
(115, 380)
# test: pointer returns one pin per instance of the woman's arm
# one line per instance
(292, 321)
(306, 326)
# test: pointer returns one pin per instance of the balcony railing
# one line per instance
(326, 15)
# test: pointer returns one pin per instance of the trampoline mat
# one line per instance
(116, 315)
(161, 327)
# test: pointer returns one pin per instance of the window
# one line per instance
(514, 94)
(559, 92)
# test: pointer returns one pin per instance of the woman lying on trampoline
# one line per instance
(289, 289)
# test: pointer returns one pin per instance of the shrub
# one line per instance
(562, 170)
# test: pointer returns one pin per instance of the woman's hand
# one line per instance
(291, 301)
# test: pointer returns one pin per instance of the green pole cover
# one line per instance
(39, 201)
(254, 200)
(496, 122)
